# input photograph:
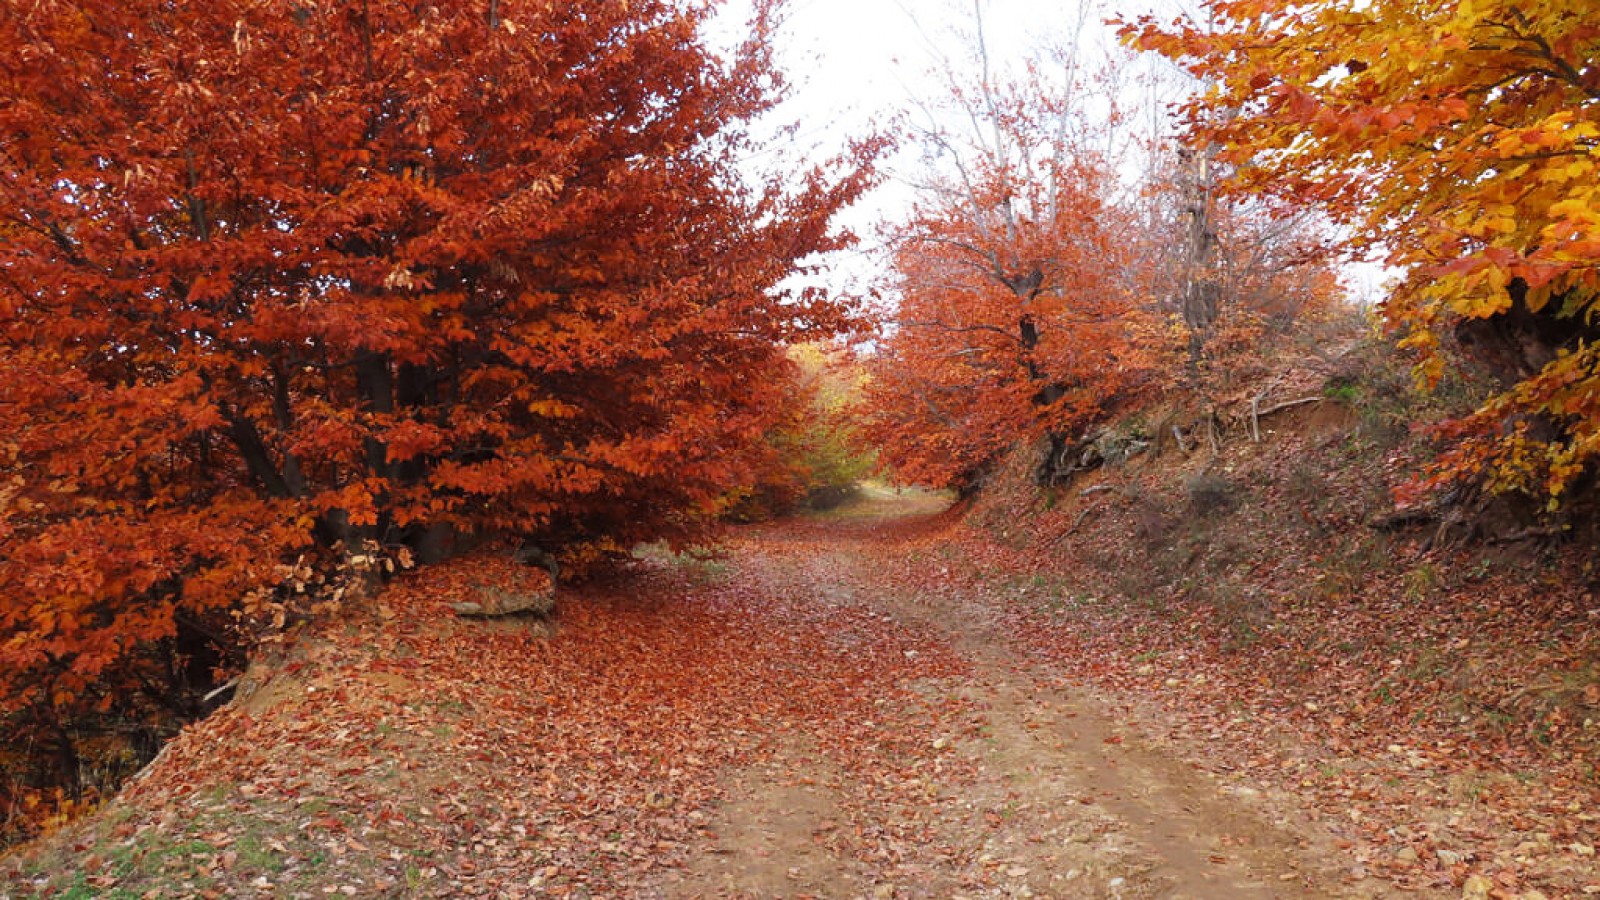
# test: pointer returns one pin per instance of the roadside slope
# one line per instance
(1434, 701)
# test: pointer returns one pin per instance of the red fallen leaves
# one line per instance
(494, 762)
(501, 761)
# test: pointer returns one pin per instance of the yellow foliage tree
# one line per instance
(1460, 139)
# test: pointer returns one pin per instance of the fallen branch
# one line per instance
(1290, 404)
(1404, 518)
(1087, 511)
(1255, 405)
(1256, 413)
(1528, 534)
(1076, 523)
(219, 690)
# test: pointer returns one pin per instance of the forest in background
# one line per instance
(492, 273)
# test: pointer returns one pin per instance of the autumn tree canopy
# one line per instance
(813, 454)
(1014, 320)
(1461, 140)
(282, 273)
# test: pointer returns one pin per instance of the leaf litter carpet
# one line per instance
(795, 718)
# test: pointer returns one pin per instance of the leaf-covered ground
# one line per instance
(891, 702)
(1435, 702)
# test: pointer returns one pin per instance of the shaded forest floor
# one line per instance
(889, 701)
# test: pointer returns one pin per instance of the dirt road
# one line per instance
(1016, 783)
(796, 718)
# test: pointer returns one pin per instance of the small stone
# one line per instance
(1582, 849)
(884, 892)
(1017, 872)
(1449, 858)
(1477, 887)
(1407, 855)
(940, 743)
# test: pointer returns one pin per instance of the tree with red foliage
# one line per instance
(1015, 320)
(293, 274)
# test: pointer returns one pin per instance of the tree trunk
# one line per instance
(256, 458)
(292, 476)
(1201, 292)
(375, 380)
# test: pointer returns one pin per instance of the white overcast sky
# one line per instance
(856, 63)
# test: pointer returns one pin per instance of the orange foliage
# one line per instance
(281, 273)
(812, 456)
(1016, 319)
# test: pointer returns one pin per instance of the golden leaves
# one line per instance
(1488, 192)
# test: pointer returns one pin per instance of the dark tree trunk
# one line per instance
(1201, 292)
(375, 380)
(256, 458)
(431, 543)
(293, 479)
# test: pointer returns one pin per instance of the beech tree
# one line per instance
(277, 275)
(1461, 140)
(814, 455)
(1002, 338)
(1015, 321)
